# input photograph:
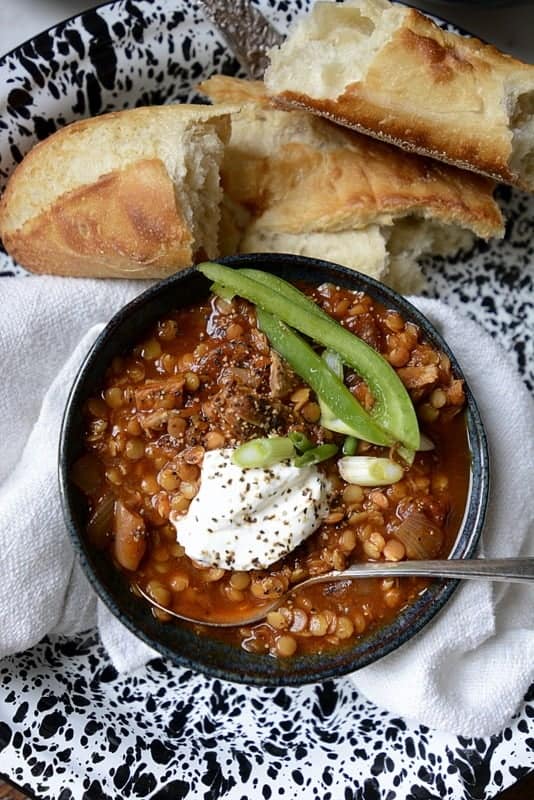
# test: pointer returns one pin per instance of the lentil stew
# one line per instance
(205, 378)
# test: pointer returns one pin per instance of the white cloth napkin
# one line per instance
(465, 673)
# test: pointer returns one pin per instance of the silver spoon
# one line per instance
(515, 570)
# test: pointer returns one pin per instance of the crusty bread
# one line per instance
(297, 183)
(128, 194)
(389, 71)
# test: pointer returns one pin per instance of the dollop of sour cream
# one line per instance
(245, 519)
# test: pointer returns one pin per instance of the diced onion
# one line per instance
(86, 473)
(425, 444)
(369, 470)
(101, 522)
(421, 537)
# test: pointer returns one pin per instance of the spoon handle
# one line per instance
(516, 570)
(248, 33)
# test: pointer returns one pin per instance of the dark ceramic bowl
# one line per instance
(176, 641)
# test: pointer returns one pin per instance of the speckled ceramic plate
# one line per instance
(70, 728)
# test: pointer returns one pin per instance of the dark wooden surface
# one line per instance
(523, 790)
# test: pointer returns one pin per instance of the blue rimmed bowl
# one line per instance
(178, 641)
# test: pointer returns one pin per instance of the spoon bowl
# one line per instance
(515, 570)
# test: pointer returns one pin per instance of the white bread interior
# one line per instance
(457, 90)
(364, 250)
(332, 46)
(280, 194)
(197, 184)
(389, 253)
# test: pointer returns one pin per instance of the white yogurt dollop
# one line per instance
(245, 519)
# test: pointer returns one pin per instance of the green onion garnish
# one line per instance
(350, 446)
(314, 456)
(369, 470)
(263, 453)
(301, 441)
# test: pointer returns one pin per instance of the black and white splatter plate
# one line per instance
(70, 727)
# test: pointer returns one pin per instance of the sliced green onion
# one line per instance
(263, 453)
(350, 445)
(312, 369)
(314, 456)
(301, 441)
(369, 470)
(393, 410)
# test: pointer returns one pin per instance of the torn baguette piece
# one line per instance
(296, 183)
(130, 194)
(389, 71)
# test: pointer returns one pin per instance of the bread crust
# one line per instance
(352, 188)
(223, 89)
(318, 177)
(435, 93)
(126, 224)
(127, 221)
